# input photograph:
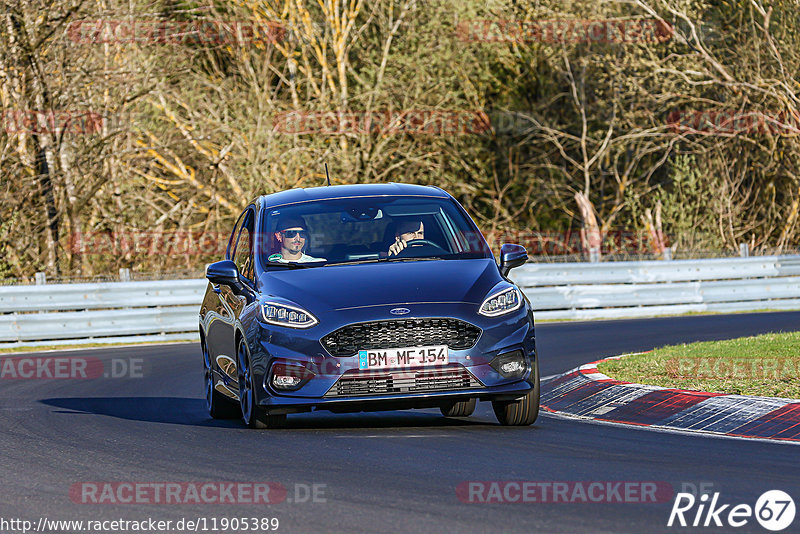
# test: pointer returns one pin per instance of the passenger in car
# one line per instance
(292, 236)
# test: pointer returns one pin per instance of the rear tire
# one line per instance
(254, 416)
(522, 412)
(459, 409)
(218, 405)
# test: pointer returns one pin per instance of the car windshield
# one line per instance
(367, 229)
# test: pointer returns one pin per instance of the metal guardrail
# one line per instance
(651, 288)
(165, 310)
(100, 312)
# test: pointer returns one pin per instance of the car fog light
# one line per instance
(510, 368)
(283, 381)
(289, 377)
(510, 365)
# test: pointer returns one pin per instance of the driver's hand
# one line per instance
(396, 247)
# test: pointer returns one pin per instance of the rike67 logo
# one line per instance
(774, 510)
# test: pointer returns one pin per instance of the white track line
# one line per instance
(653, 428)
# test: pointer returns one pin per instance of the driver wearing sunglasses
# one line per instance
(292, 235)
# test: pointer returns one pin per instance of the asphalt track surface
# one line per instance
(383, 472)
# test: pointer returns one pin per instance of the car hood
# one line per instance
(338, 287)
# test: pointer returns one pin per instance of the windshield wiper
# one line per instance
(288, 265)
(412, 258)
(382, 260)
(355, 262)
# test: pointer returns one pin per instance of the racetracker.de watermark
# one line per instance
(205, 492)
(211, 243)
(565, 31)
(15, 121)
(175, 32)
(69, 368)
(178, 243)
(420, 122)
(558, 492)
(729, 122)
(726, 368)
(576, 242)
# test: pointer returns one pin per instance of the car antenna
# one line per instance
(327, 175)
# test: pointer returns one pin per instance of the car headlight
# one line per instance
(285, 315)
(501, 303)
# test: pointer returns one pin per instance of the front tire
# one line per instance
(459, 409)
(254, 416)
(218, 405)
(522, 412)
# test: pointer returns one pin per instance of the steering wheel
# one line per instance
(418, 243)
(421, 243)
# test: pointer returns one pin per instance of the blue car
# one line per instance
(364, 298)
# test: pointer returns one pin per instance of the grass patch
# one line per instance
(767, 365)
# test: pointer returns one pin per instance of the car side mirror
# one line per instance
(224, 273)
(511, 256)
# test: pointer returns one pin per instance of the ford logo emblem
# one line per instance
(399, 311)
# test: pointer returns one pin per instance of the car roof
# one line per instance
(292, 196)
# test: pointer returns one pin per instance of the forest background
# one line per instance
(134, 132)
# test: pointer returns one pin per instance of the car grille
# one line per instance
(450, 378)
(348, 340)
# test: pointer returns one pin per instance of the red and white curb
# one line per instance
(586, 393)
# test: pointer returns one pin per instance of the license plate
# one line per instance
(430, 356)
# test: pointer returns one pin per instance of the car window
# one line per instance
(234, 235)
(350, 230)
(243, 252)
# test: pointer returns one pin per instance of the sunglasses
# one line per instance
(291, 233)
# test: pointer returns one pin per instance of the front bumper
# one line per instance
(303, 347)
(368, 403)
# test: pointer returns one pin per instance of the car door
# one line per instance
(216, 314)
(221, 337)
(234, 303)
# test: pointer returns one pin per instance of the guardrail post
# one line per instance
(40, 279)
(668, 253)
(124, 275)
(744, 250)
(594, 255)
